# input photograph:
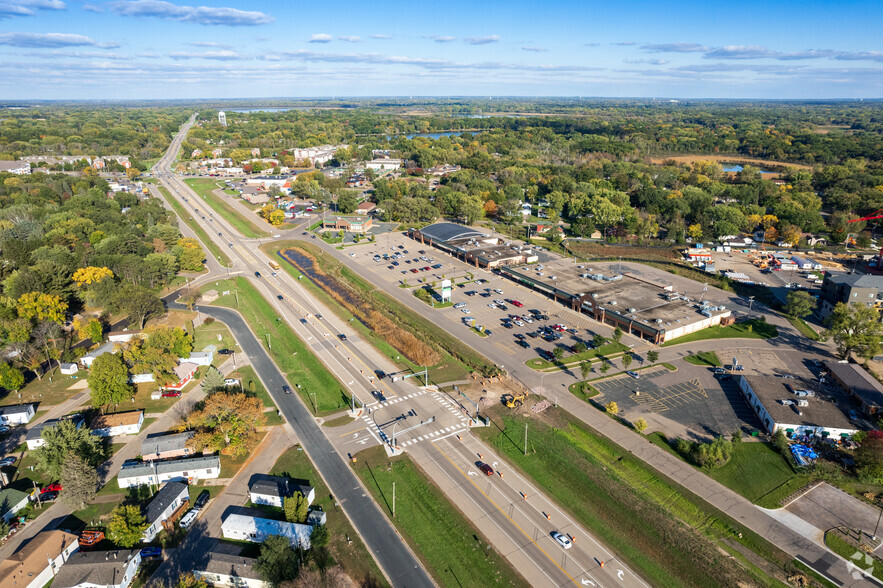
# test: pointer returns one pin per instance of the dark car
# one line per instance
(303, 321)
(48, 496)
(279, 296)
(342, 337)
(202, 499)
(286, 389)
(485, 468)
(225, 351)
(378, 395)
(151, 552)
(523, 343)
(257, 274)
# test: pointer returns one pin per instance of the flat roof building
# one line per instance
(476, 247)
(850, 288)
(257, 529)
(136, 473)
(859, 384)
(794, 410)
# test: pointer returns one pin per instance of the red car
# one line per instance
(51, 488)
(516, 303)
(414, 270)
(559, 328)
(487, 469)
(171, 393)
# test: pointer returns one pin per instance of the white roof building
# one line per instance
(384, 164)
(256, 529)
(19, 168)
(17, 414)
(136, 473)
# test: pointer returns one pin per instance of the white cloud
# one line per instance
(51, 40)
(350, 38)
(91, 8)
(204, 15)
(219, 55)
(647, 61)
(482, 40)
(739, 52)
(14, 8)
(210, 44)
(674, 48)
(321, 38)
(535, 49)
(442, 38)
(381, 37)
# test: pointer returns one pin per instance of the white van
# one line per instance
(188, 518)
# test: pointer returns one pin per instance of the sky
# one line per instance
(158, 49)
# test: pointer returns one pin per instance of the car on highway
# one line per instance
(484, 468)
(202, 499)
(319, 317)
(635, 375)
(257, 274)
(562, 540)
(378, 395)
(286, 389)
(380, 374)
(279, 296)
(303, 321)
(342, 337)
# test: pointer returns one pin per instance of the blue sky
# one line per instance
(123, 49)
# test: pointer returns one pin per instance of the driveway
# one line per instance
(826, 506)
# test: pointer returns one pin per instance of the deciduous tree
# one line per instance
(91, 275)
(626, 361)
(44, 307)
(126, 526)
(10, 378)
(617, 335)
(141, 303)
(799, 303)
(855, 328)
(109, 381)
(296, 508)
(227, 423)
(640, 425)
(611, 407)
(652, 356)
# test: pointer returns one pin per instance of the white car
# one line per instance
(465, 311)
(460, 305)
(188, 518)
(562, 540)
(499, 301)
(519, 323)
(498, 291)
(491, 305)
(527, 319)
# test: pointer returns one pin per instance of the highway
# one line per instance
(522, 536)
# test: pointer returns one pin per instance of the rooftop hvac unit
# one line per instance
(803, 403)
(612, 303)
(631, 310)
(658, 321)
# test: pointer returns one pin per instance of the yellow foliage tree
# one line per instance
(277, 218)
(45, 307)
(91, 275)
(695, 231)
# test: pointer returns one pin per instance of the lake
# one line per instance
(432, 135)
(738, 168)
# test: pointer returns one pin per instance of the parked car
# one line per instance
(7, 461)
(48, 496)
(225, 351)
(51, 488)
(486, 468)
(460, 305)
(149, 552)
(202, 499)
(188, 518)
(171, 394)
(635, 375)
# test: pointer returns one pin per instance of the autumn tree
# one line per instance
(189, 254)
(227, 423)
(91, 329)
(80, 481)
(296, 508)
(40, 306)
(611, 408)
(91, 275)
(855, 328)
(640, 425)
(141, 303)
(63, 441)
(109, 380)
(126, 526)
(158, 353)
(10, 378)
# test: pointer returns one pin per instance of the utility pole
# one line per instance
(394, 500)
(268, 342)
(525, 438)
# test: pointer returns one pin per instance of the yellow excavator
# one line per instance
(516, 400)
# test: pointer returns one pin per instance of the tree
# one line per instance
(189, 254)
(91, 329)
(347, 202)
(652, 356)
(10, 378)
(63, 441)
(558, 353)
(188, 580)
(277, 562)
(213, 380)
(869, 457)
(617, 335)
(599, 340)
(91, 275)
(296, 508)
(141, 304)
(109, 381)
(126, 526)
(855, 329)
(640, 425)
(627, 361)
(158, 354)
(695, 231)
(319, 537)
(605, 366)
(227, 423)
(44, 307)
(799, 303)
(579, 347)
(80, 481)
(736, 437)
(611, 408)
(585, 368)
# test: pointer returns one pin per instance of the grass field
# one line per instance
(294, 358)
(445, 541)
(754, 470)
(753, 329)
(804, 328)
(705, 358)
(354, 557)
(670, 536)
(194, 226)
(205, 189)
(45, 392)
(609, 350)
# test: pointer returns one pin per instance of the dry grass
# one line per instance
(690, 159)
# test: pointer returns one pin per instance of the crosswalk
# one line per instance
(440, 433)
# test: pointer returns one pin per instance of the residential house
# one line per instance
(33, 565)
(165, 508)
(365, 207)
(349, 224)
(136, 473)
(256, 529)
(123, 336)
(89, 358)
(443, 169)
(184, 372)
(34, 437)
(98, 163)
(200, 358)
(69, 369)
(196, 153)
(217, 152)
(548, 230)
(166, 446)
(122, 423)
(17, 414)
(225, 569)
(12, 501)
(850, 288)
(256, 152)
(19, 168)
(99, 569)
(273, 490)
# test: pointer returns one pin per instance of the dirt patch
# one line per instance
(690, 159)
(541, 406)
(596, 251)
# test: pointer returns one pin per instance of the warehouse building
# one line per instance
(480, 248)
(859, 384)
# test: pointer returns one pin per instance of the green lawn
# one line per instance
(354, 557)
(205, 189)
(841, 547)
(294, 358)
(338, 422)
(195, 227)
(609, 350)
(804, 328)
(252, 385)
(207, 334)
(705, 358)
(443, 539)
(753, 329)
(754, 470)
(45, 392)
(668, 535)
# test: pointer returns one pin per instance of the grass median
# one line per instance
(194, 226)
(205, 189)
(313, 382)
(446, 542)
(667, 534)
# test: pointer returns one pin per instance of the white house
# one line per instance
(122, 336)
(12, 501)
(69, 369)
(122, 423)
(89, 358)
(166, 504)
(256, 529)
(34, 438)
(166, 446)
(17, 414)
(99, 569)
(273, 490)
(19, 168)
(384, 164)
(136, 473)
(224, 569)
(39, 560)
(200, 358)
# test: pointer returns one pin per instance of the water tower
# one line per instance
(222, 118)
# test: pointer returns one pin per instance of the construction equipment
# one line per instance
(514, 400)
